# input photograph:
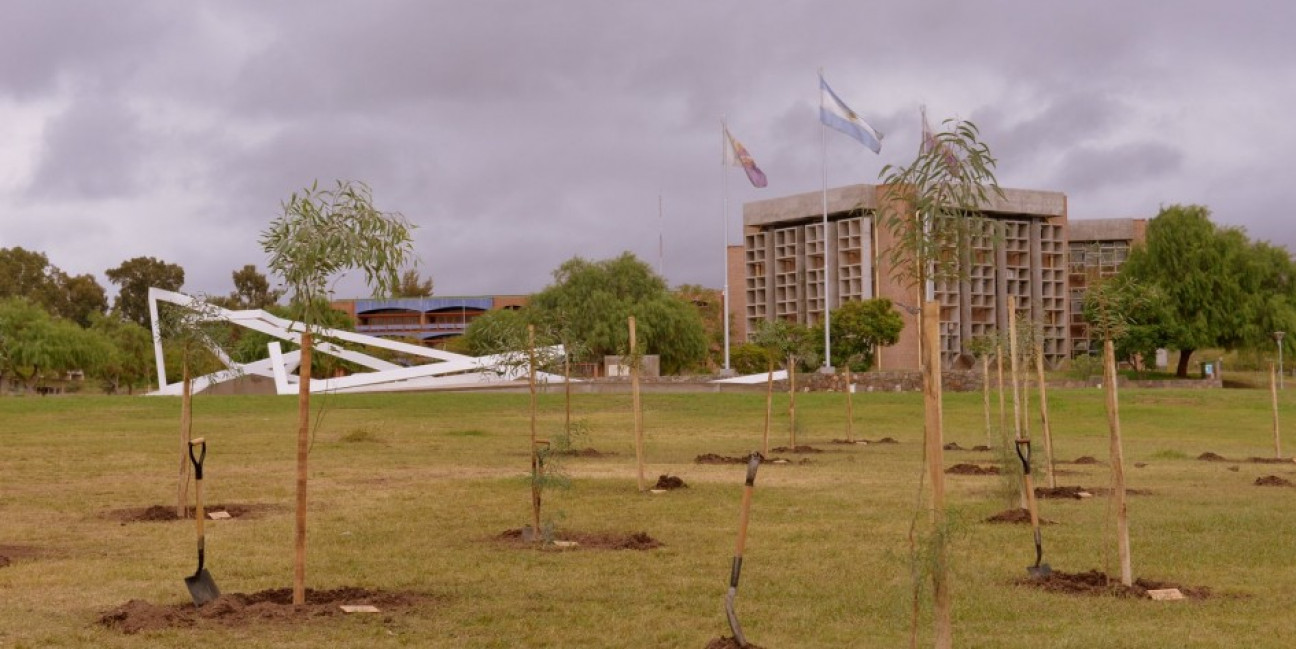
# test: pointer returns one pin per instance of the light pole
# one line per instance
(1278, 336)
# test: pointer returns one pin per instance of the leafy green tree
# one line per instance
(599, 296)
(859, 327)
(495, 332)
(709, 303)
(794, 345)
(321, 233)
(28, 274)
(252, 290)
(128, 363)
(134, 277)
(412, 285)
(1218, 288)
(33, 344)
(78, 298)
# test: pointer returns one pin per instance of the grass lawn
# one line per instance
(409, 492)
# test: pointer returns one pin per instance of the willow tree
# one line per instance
(321, 233)
(933, 208)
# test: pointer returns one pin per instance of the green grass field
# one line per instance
(408, 492)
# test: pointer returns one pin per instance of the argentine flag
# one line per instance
(833, 112)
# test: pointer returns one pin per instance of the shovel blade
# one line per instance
(202, 587)
(1039, 571)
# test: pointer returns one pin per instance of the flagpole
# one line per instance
(724, 220)
(823, 142)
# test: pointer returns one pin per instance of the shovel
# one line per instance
(753, 463)
(201, 586)
(1039, 571)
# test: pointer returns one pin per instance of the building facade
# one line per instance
(794, 268)
(431, 320)
(1097, 248)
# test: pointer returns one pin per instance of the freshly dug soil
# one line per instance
(1211, 457)
(154, 513)
(725, 642)
(796, 449)
(953, 446)
(584, 540)
(712, 458)
(670, 482)
(1272, 481)
(1016, 516)
(980, 447)
(1086, 459)
(1061, 492)
(1269, 460)
(268, 606)
(886, 440)
(1094, 582)
(972, 469)
(584, 452)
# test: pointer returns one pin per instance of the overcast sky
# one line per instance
(517, 135)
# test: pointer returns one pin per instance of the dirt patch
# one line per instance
(1062, 492)
(860, 442)
(1272, 481)
(886, 440)
(268, 606)
(1097, 583)
(155, 513)
(670, 482)
(1269, 460)
(584, 452)
(11, 553)
(953, 446)
(725, 642)
(981, 447)
(1211, 457)
(1017, 515)
(712, 458)
(584, 540)
(796, 449)
(972, 469)
(1086, 459)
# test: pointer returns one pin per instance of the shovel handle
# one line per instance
(1024, 455)
(198, 461)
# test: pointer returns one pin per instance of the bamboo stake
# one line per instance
(1003, 412)
(186, 432)
(791, 367)
(1044, 414)
(634, 391)
(1117, 462)
(985, 394)
(935, 462)
(303, 444)
(850, 408)
(535, 449)
(769, 408)
(1273, 397)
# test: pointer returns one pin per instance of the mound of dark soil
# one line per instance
(1269, 460)
(1211, 457)
(1016, 516)
(238, 609)
(796, 449)
(154, 513)
(584, 452)
(1272, 481)
(972, 469)
(1061, 492)
(670, 482)
(1086, 459)
(981, 447)
(953, 446)
(712, 458)
(886, 440)
(1094, 582)
(586, 540)
(725, 642)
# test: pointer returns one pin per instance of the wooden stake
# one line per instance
(850, 409)
(303, 444)
(791, 367)
(769, 408)
(1273, 397)
(1117, 462)
(934, 434)
(1044, 414)
(638, 418)
(186, 432)
(985, 394)
(535, 449)
(1016, 396)
(1003, 412)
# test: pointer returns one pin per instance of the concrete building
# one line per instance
(430, 320)
(786, 253)
(1096, 249)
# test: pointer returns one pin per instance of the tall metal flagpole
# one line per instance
(724, 220)
(823, 141)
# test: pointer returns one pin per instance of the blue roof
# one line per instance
(425, 304)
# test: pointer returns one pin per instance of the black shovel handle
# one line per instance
(1024, 443)
(198, 461)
